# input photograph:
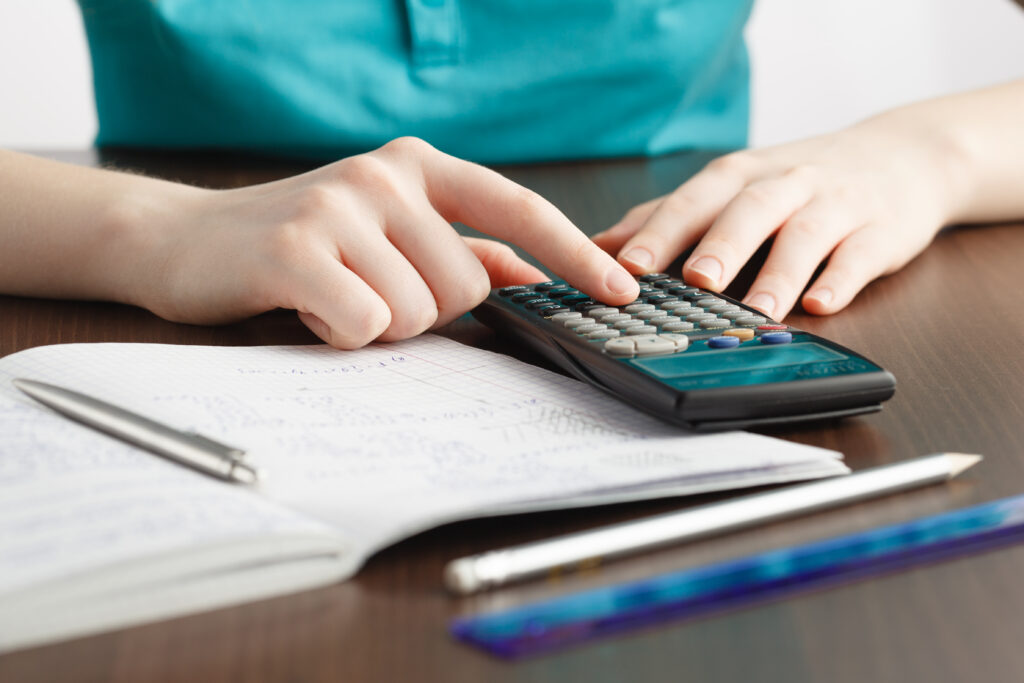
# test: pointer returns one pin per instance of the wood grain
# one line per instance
(946, 326)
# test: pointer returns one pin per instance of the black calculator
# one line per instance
(690, 356)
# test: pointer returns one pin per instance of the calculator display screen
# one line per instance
(750, 365)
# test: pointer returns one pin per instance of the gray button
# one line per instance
(578, 322)
(677, 327)
(569, 315)
(681, 341)
(623, 324)
(598, 312)
(708, 302)
(751, 320)
(715, 324)
(733, 315)
(664, 320)
(642, 329)
(697, 317)
(603, 334)
(636, 308)
(620, 346)
(593, 327)
(647, 315)
(719, 309)
(653, 345)
(676, 306)
(612, 318)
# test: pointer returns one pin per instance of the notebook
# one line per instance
(360, 448)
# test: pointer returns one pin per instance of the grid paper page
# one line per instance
(394, 438)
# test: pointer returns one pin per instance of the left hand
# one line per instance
(868, 199)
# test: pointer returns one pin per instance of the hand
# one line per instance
(867, 199)
(363, 248)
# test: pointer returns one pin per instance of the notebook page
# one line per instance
(394, 438)
(73, 501)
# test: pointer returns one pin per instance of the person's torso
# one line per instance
(491, 80)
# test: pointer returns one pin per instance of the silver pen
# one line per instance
(488, 570)
(186, 448)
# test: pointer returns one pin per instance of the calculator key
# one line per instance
(575, 299)
(572, 324)
(647, 290)
(653, 313)
(588, 328)
(698, 317)
(751, 320)
(620, 346)
(680, 341)
(636, 308)
(675, 306)
(668, 282)
(683, 290)
(603, 334)
(525, 296)
(534, 304)
(709, 301)
(559, 292)
(612, 318)
(561, 317)
(598, 311)
(622, 325)
(723, 342)
(659, 298)
(585, 306)
(776, 338)
(743, 334)
(717, 309)
(653, 345)
(681, 326)
(664, 320)
(513, 289)
(734, 315)
(641, 329)
(773, 327)
(715, 324)
(690, 293)
(552, 311)
(545, 286)
(651, 277)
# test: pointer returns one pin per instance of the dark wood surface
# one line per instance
(948, 326)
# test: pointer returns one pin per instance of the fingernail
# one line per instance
(639, 257)
(822, 295)
(619, 281)
(709, 267)
(763, 302)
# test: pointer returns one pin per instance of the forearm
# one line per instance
(977, 142)
(74, 232)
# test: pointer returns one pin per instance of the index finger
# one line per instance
(487, 201)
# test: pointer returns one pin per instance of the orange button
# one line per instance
(741, 334)
(773, 327)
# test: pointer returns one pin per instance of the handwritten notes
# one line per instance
(375, 443)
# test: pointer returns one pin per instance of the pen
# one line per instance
(615, 609)
(185, 448)
(488, 570)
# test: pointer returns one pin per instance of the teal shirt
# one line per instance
(489, 80)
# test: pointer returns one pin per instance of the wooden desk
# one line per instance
(947, 326)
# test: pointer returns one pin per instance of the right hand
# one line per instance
(363, 248)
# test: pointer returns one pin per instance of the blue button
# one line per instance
(723, 342)
(776, 338)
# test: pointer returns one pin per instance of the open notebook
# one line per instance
(361, 448)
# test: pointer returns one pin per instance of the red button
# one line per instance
(773, 327)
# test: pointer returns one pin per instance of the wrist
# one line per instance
(138, 228)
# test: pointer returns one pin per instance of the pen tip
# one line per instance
(958, 462)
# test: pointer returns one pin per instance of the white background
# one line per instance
(818, 65)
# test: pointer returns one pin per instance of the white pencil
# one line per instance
(488, 570)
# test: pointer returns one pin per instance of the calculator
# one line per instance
(690, 356)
